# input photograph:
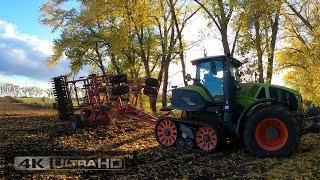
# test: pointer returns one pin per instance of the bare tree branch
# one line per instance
(211, 16)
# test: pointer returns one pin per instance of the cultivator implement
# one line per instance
(99, 99)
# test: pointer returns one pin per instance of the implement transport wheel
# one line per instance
(120, 90)
(75, 122)
(117, 79)
(152, 82)
(166, 132)
(272, 132)
(150, 91)
(206, 138)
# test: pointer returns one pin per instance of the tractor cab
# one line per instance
(210, 75)
(214, 86)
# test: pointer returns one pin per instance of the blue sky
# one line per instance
(25, 15)
(25, 44)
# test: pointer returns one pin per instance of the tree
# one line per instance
(261, 20)
(300, 57)
(49, 92)
(135, 37)
(81, 40)
(221, 12)
(181, 16)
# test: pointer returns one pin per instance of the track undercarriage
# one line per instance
(188, 134)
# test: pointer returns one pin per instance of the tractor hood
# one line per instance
(189, 98)
(252, 91)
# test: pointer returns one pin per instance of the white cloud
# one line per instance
(22, 57)
(9, 29)
(11, 32)
(18, 53)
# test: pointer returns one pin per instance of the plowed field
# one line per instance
(27, 130)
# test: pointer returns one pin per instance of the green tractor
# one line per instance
(218, 108)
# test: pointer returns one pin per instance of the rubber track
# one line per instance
(62, 99)
(191, 124)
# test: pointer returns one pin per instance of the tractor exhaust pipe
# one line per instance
(228, 90)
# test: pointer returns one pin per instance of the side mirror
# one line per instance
(188, 77)
(255, 77)
(213, 67)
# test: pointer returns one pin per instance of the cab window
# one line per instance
(212, 82)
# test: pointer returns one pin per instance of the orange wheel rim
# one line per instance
(271, 134)
(166, 132)
(206, 138)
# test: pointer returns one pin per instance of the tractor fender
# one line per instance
(248, 108)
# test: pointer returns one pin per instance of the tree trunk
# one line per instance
(275, 28)
(259, 50)
(103, 70)
(224, 28)
(114, 63)
(145, 61)
(183, 66)
(225, 43)
(179, 35)
(181, 54)
(100, 63)
(165, 83)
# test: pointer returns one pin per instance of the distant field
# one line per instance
(47, 102)
(37, 101)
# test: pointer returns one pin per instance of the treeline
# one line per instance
(8, 89)
(142, 38)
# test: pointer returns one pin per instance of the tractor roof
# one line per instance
(234, 61)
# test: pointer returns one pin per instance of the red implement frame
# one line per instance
(100, 105)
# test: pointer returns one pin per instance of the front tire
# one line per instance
(272, 132)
